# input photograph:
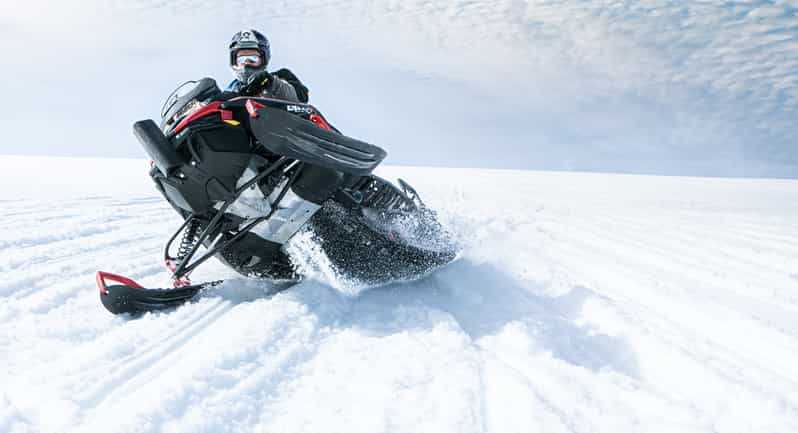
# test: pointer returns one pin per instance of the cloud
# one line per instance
(650, 85)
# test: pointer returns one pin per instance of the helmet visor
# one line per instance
(248, 59)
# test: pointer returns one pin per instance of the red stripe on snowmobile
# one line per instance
(102, 276)
(318, 120)
(211, 108)
(253, 107)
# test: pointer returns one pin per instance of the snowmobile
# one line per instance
(247, 174)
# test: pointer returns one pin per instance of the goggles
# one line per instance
(242, 60)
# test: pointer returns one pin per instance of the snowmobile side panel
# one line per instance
(289, 135)
(317, 184)
(219, 154)
(155, 144)
(287, 219)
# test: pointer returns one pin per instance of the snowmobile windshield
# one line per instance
(181, 91)
(185, 99)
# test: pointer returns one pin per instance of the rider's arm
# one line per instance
(281, 89)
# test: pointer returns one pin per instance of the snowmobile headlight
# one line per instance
(189, 108)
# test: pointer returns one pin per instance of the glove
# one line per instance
(256, 84)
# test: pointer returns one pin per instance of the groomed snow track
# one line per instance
(582, 302)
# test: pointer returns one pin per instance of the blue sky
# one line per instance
(687, 88)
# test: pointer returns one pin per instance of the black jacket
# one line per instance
(285, 85)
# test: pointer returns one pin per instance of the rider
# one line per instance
(249, 56)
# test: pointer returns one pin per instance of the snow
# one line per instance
(582, 302)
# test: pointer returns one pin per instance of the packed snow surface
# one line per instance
(581, 302)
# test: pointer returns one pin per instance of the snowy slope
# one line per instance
(582, 302)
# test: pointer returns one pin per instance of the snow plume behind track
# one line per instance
(582, 302)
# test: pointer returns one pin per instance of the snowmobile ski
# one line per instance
(130, 297)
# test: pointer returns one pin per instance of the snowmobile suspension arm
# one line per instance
(184, 268)
(180, 269)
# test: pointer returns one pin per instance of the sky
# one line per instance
(701, 88)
